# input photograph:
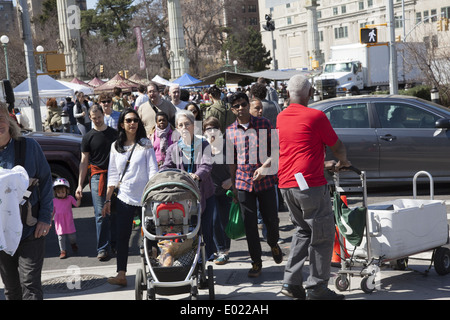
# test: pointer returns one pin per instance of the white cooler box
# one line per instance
(406, 226)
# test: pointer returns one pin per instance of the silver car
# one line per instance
(392, 137)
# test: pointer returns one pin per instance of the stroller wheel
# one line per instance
(368, 284)
(139, 286)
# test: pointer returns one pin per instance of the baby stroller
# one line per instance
(171, 219)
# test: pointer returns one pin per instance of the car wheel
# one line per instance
(58, 171)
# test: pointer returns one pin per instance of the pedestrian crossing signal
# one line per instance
(368, 35)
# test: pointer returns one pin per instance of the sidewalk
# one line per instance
(232, 283)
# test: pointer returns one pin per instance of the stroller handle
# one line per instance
(352, 168)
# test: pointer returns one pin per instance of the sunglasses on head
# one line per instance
(242, 104)
(106, 101)
(130, 120)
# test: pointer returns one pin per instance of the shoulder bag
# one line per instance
(116, 189)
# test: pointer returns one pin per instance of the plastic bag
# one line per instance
(235, 228)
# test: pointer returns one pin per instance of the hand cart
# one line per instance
(392, 231)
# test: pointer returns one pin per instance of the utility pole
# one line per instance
(31, 68)
(393, 81)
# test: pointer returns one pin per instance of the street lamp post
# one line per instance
(235, 66)
(40, 49)
(4, 40)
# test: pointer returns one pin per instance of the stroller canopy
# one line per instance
(171, 185)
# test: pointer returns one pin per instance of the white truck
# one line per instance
(359, 67)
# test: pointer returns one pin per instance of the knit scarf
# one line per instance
(163, 135)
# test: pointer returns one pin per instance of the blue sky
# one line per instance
(91, 4)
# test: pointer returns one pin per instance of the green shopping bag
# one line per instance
(351, 222)
(235, 228)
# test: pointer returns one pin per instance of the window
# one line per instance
(433, 15)
(252, 8)
(353, 115)
(399, 21)
(343, 9)
(361, 5)
(369, 3)
(445, 12)
(335, 11)
(341, 32)
(253, 21)
(243, 9)
(288, 5)
(320, 36)
(418, 17)
(402, 115)
(426, 16)
(289, 20)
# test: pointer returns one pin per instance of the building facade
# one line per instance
(339, 22)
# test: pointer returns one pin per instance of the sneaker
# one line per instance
(222, 259)
(102, 256)
(294, 291)
(63, 254)
(277, 254)
(323, 293)
(255, 271)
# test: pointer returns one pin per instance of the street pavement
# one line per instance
(83, 277)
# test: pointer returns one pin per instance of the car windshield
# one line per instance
(338, 67)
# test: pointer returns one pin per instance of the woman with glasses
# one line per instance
(192, 154)
(142, 166)
(111, 116)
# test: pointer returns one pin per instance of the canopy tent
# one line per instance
(186, 80)
(78, 81)
(234, 77)
(47, 88)
(87, 90)
(95, 82)
(139, 80)
(117, 81)
(160, 80)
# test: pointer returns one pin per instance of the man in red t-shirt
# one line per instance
(303, 134)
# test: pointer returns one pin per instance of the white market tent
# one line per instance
(47, 88)
(161, 80)
(78, 87)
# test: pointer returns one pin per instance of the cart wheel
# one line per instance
(139, 286)
(342, 283)
(442, 261)
(368, 284)
(212, 295)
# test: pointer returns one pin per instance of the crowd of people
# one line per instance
(126, 142)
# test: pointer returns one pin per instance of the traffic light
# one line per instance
(101, 68)
(445, 24)
(398, 38)
(126, 74)
(439, 25)
(270, 24)
(121, 73)
(368, 35)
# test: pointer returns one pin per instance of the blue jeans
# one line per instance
(102, 223)
(207, 227)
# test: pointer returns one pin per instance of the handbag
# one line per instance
(235, 228)
(116, 189)
(351, 222)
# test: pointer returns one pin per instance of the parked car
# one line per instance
(392, 137)
(63, 154)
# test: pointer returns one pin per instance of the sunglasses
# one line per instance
(130, 120)
(105, 101)
(242, 104)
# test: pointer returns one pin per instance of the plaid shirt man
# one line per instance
(248, 145)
